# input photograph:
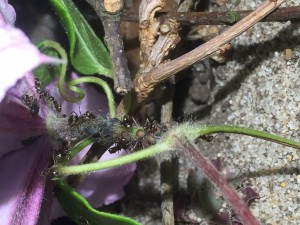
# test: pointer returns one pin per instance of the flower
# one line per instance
(15, 48)
(26, 148)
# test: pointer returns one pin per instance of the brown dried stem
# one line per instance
(228, 192)
(218, 18)
(146, 83)
(109, 13)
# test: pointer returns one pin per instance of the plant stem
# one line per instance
(109, 13)
(228, 192)
(84, 143)
(168, 166)
(167, 144)
(103, 84)
(219, 18)
(85, 168)
(146, 83)
(213, 129)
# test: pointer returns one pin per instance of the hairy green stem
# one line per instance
(62, 74)
(167, 143)
(213, 129)
(84, 168)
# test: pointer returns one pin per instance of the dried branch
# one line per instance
(168, 38)
(109, 13)
(146, 83)
(228, 192)
(218, 18)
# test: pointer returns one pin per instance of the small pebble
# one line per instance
(287, 54)
(283, 184)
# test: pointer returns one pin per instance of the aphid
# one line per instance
(151, 140)
(83, 221)
(35, 108)
(140, 134)
(44, 94)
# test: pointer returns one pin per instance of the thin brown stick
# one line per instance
(218, 18)
(228, 192)
(109, 13)
(146, 83)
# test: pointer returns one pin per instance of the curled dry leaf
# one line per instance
(167, 40)
(148, 25)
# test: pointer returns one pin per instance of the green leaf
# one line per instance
(81, 212)
(87, 52)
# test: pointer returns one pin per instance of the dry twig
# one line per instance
(145, 84)
(109, 13)
(218, 18)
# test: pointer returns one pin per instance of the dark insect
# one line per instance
(32, 103)
(207, 138)
(29, 141)
(87, 116)
(127, 121)
(73, 120)
(122, 141)
(152, 128)
(53, 101)
(62, 152)
(45, 95)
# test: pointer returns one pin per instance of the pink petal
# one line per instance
(106, 186)
(17, 56)
(16, 122)
(7, 13)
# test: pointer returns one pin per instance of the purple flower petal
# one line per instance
(7, 13)
(22, 157)
(22, 183)
(106, 186)
(17, 56)
(16, 122)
